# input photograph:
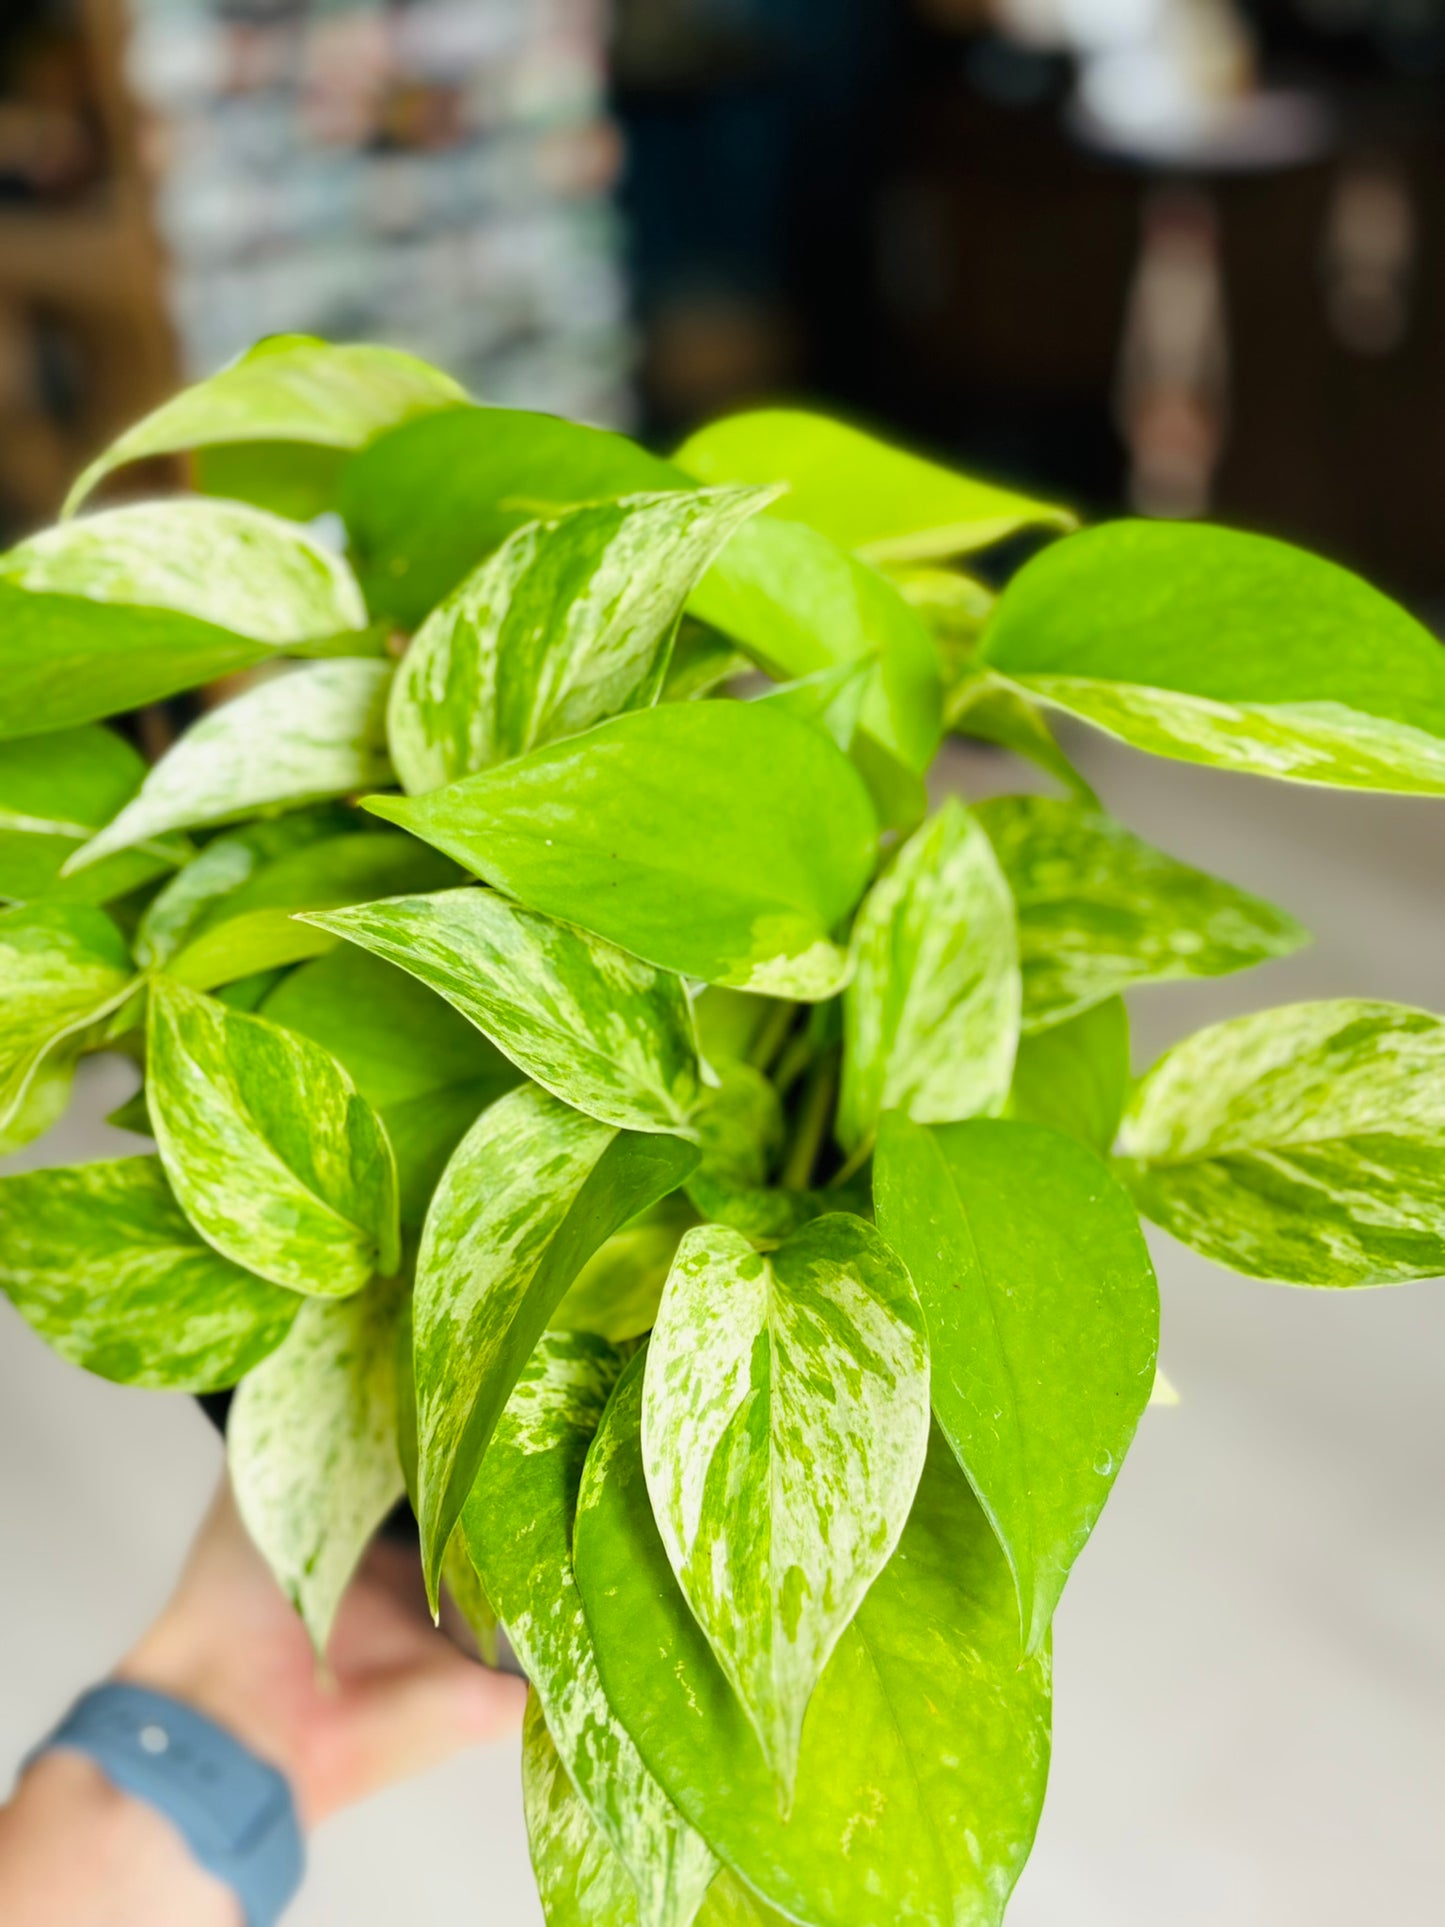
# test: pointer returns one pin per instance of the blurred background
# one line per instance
(1180, 257)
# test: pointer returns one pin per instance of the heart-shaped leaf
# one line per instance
(315, 731)
(123, 608)
(1236, 650)
(784, 1426)
(926, 1743)
(587, 1021)
(1043, 1325)
(862, 492)
(721, 840)
(518, 1530)
(530, 1193)
(63, 966)
(311, 1447)
(277, 1159)
(931, 1018)
(569, 622)
(288, 388)
(1099, 910)
(1302, 1144)
(102, 1262)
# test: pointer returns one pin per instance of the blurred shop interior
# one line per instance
(1178, 256)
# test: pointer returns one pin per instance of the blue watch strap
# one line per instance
(234, 1811)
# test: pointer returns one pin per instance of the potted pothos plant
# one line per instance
(595, 1095)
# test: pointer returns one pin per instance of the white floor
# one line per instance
(1251, 1658)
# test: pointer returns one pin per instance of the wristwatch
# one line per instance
(234, 1811)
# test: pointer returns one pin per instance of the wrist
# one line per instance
(73, 1846)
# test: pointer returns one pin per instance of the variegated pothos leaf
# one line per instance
(785, 1421)
(597, 1027)
(932, 1014)
(570, 621)
(311, 1447)
(518, 1530)
(530, 1193)
(63, 967)
(1305, 1144)
(278, 1160)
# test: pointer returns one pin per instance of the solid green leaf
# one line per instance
(569, 622)
(314, 731)
(587, 1021)
(257, 927)
(101, 1261)
(860, 491)
(616, 1293)
(125, 607)
(701, 660)
(721, 840)
(1074, 1076)
(46, 1099)
(832, 699)
(530, 1193)
(63, 967)
(277, 1159)
(784, 1427)
(931, 1017)
(1043, 1326)
(518, 1530)
(1305, 1144)
(287, 388)
(427, 501)
(196, 896)
(311, 1448)
(1099, 910)
(1236, 650)
(797, 604)
(56, 791)
(987, 707)
(925, 1748)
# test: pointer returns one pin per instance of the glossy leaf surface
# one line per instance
(530, 1193)
(1217, 647)
(1074, 1076)
(518, 1530)
(1100, 910)
(102, 1262)
(784, 1426)
(931, 1018)
(862, 492)
(1302, 1144)
(1043, 1326)
(589, 1022)
(63, 967)
(124, 607)
(926, 1744)
(754, 820)
(616, 1293)
(311, 1448)
(288, 388)
(279, 1162)
(797, 604)
(306, 734)
(569, 622)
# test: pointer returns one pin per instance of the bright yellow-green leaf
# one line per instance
(63, 967)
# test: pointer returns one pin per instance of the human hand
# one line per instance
(401, 1697)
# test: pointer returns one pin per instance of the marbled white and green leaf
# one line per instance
(63, 968)
(311, 1447)
(1305, 1144)
(101, 1261)
(278, 1160)
(594, 1025)
(785, 1421)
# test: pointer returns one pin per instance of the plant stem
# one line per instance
(813, 1114)
(772, 1035)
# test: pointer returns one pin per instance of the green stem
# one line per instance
(813, 1115)
(772, 1035)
